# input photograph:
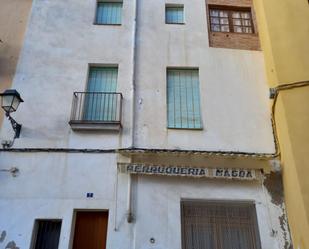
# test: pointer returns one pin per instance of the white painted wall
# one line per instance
(61, 41)
(52, 186)
(233, 88)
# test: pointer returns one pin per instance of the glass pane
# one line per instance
(245, 15)
(224, 21)
(214, 13)
(225, 28)
(237, 29)
(246, 22)
(236, 15)
(237, 22)
(223, 13)
(247, 30)
(215, 28)
(214, 20)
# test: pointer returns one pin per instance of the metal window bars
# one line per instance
(96, 107)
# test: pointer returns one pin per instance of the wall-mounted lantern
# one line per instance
(10, 100)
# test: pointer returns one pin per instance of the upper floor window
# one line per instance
(108, 13)
(183, 99)
(231, 20)
(232, 26)
(174, 14)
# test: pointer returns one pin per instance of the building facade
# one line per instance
(284, 32)
(145, 125)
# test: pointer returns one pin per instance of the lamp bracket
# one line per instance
(16, 126)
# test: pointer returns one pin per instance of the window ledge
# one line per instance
(95, 126)
(105, 24)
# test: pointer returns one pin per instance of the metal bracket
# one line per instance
(16, 126)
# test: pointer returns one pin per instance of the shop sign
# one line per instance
(243, 174)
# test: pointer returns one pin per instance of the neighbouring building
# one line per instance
(13, 22)
(284, 32)
(145, 124)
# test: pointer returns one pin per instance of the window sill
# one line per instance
(104, 24)
(95, 126)
(174, 23)
(193, 129)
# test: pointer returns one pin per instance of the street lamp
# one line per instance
(10, 100)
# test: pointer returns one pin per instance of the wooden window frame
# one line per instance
(230, 10)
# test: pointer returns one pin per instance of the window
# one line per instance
(90, 230)
(219, 225)
(101, 99)
(174, 14)
(46, 234)
(230, 20)
(108, 13)
(183, 99)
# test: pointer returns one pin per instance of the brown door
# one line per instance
(90, 230)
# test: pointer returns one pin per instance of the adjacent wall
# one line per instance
(13, 22)
(284, 32)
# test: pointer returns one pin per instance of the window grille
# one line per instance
(47, 234)
(230, 20)
(109, 13)
(174, 14)
(183, 99)
(219, 225)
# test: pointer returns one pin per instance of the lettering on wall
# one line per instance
(225, 173)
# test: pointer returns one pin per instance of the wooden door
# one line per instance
(90, 230)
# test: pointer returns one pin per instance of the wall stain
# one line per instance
(2, 236)
(274, 185)
(11, 245)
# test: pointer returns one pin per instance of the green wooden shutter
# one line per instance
(183, 99)
(109, 13)
(174, 14)
(99, 104)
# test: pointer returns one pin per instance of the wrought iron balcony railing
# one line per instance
(96, 110)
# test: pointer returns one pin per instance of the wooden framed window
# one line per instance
(219, 225)
(229, 19)
(46, 234)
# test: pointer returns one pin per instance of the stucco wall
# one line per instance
(54, 63)
(60, 44)
(233, 87)
(53, 185)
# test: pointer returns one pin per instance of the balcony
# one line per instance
(96, 111)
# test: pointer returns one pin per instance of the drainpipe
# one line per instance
(129, 200)
(134, 53)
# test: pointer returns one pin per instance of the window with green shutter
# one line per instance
(109, 13)
(183, 99)
(174, 14)
(100, 103)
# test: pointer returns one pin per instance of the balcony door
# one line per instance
(100, 104)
